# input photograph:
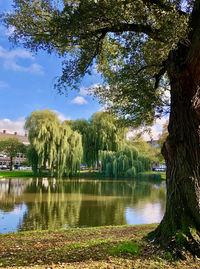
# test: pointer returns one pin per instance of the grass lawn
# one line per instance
(151, 174)
(83, 174)
(26, 173)
(104, 247)
(20, 174)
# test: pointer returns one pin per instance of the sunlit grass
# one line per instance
(25, 173)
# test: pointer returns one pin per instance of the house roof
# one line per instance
(23, 139)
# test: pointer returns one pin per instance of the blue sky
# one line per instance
(26, 84)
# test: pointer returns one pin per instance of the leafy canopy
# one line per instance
(53, 143)
(101, 132)
(127, 40)
(11, 147)
(43, 134)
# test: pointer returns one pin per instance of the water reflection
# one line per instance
(30, 204)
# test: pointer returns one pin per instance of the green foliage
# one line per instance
(101, 132)
(11, 147)
(83, 127)
(57, 145)
(148, 150)
(32, 157)
(129, 40)
(131, 172)
(74, 157)
(63, 148)
(43, 127)
(124, 163)
(53, 144)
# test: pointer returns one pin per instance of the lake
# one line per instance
(32, 204)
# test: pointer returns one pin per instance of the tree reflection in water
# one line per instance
(54, 204)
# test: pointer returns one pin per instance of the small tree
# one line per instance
(11, 147)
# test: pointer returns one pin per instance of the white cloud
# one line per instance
(95, 70)
(10, 63)
(95, 86)
(10, 31)
(33, 68)
(3, 84)
(83, 91)
(79, 100)
(152, 133)
(61, 116)
(13, 126)
(20, 53)
(89, 90)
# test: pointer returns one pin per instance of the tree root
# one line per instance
(180, 245)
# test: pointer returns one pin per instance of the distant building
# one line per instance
(22, 138)
(4, 160)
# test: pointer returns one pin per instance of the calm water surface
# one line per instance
(31, 204)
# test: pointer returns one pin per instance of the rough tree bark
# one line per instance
(180, 227)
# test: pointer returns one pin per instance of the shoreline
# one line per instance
(92, 175)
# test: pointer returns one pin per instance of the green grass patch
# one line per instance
(126, 247)
(21, 174)
(152, 175)
(16, 174)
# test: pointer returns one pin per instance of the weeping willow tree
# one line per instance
(108, 134)
(74, 158)
(63, 148)
(101, 132)
(125, 163)
(43, 128)
(53, 144)
(83, 127)
(147, 149)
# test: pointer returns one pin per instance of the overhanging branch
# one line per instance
(146, 67)
(158, 76)
(137, 28)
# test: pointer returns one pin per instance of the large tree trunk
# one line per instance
(180, 226)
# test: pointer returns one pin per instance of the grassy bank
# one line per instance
(146, 175)
(83, 174)
(20, 174)
(29, 173)
(105, 247)
(153, 175)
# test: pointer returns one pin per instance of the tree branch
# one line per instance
(145, 67)
(161, 5)
(158, 76)
(137, 28)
